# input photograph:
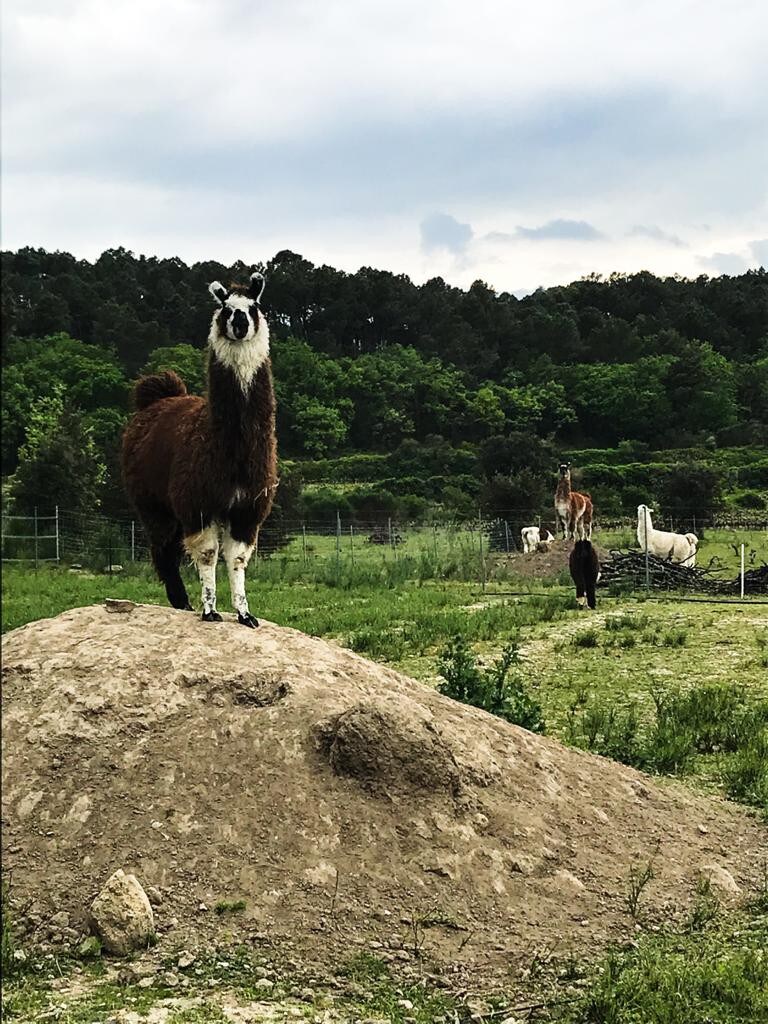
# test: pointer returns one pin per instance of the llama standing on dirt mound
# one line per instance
(573, 511)
(202, 473)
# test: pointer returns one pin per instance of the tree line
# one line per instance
(476, 391)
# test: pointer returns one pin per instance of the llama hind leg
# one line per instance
(237, 554)
(166, 557)
(203, 549)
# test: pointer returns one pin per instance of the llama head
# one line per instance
(239, 335)
(643, 513)
(565, 470)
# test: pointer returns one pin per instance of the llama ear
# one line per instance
(218, 291)
(256, 286)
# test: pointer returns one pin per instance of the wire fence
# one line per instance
(478, 548)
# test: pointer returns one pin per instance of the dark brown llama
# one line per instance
(573, 511)
(202, 472)
(585, 572)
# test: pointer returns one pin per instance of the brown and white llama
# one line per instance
(202, 472)
(573, 511)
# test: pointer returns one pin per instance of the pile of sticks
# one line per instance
(628, 569)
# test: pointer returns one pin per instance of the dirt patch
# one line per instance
(542, 565)
(339, 799)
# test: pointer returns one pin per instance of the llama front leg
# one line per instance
(203, 549)
(237, 554)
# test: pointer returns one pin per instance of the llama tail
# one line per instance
(151, 389)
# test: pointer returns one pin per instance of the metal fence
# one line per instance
(101, 542)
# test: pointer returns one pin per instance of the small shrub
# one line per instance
(609, 731)
(675, 637)
(749, 499)
(230, 906)
(496, 689)
(640, 876)
(746, 773)
(587, 638)
(7, 945)
(706, 906)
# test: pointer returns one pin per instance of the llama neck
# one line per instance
(644, 524)
(242, 419)
(563, 487)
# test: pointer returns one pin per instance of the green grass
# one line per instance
(718, 976)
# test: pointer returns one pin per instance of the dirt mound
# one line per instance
(542, 565)
(348, 805)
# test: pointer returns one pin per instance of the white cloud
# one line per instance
(338, 128)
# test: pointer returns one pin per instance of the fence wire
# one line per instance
(470, 548)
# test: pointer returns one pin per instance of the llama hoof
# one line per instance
(187, 607)
(211, 617)
(247, 620)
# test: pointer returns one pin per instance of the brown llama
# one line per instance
(573, 511)
(202, 472)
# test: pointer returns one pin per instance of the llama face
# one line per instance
(238, 319)
(565, 469)
(239, 335)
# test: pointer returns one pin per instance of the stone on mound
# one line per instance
(338, 799)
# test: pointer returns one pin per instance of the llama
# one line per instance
(535, 539)
(573, 511)
(585, 572)
(673, 547)
(202, 472)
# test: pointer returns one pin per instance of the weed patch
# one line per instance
(498, 689)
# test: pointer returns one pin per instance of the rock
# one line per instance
(60, 920)
(113, 604)
(146, 982)
(121, 915)
(154, 895)
(720, 879)
(170, 979)
(19, 956)
(264, 985)
(113, 568)
(186, 959)
(405, 1003)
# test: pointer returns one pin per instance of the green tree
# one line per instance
(318, 429)
(186, 360)
(58, 462)
(702, 389)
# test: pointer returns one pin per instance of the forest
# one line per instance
(396, 397)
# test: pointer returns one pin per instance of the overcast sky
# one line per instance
(522, 143)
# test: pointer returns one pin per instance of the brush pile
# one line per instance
(628, 569)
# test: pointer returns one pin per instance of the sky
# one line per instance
(524, 144)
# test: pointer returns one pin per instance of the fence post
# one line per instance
(434, 537)
(480, 541)
(57, 534)
(133, 540)
(338, 540)
(35, 538)
(742, 570)
(647, 564)
(304, 542)
(109, 548)
(352, 543)
(506, 533)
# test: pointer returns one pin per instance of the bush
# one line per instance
(491, 689)
(755, 475)
(749, 499)
(746, 775)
